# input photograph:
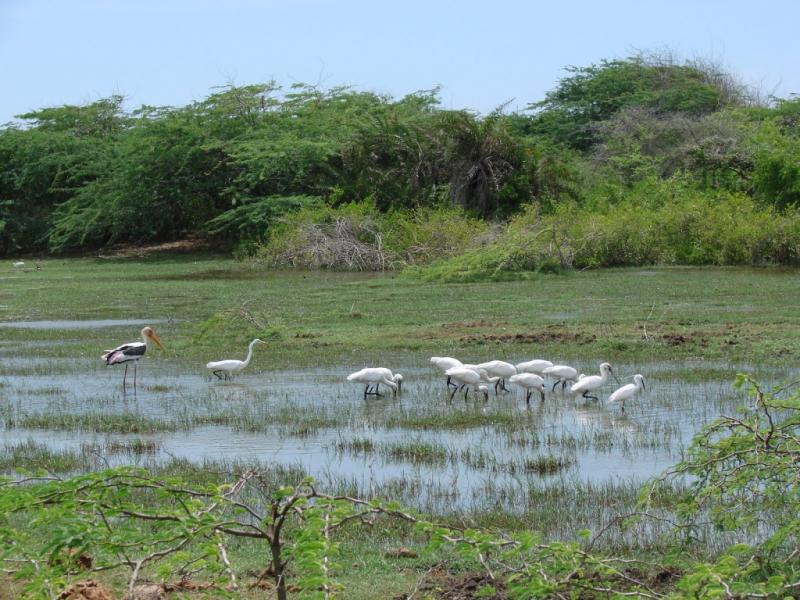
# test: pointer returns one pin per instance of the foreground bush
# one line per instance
(657, 223)
(742, 468)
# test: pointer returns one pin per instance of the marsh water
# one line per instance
(420, 446)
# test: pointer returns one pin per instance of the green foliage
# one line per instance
(593, 94)
(357, 237)
(229, 166)
(654, 222)
(743, 479)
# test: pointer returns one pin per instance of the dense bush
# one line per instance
(358, 237)
(75, 178)
(655, 222)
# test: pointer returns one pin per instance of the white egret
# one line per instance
(231, 366)
(562, 373)
(501, 369)
(375, 376)
(593, 382)
(628, 391)
(529, 382)
(534, 366)
(18, 264)
(467, 378)
(444, 363)
(131, 352)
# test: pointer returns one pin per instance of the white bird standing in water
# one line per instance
(534, 366)
(444, 363)
(500, 369)
(228, 367)
(628, 391)
(467, 378)
(131, 352)
(529, 382)
(375, 376)
(593, 382)
(562, 373)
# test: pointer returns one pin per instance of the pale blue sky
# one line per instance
(483, 54)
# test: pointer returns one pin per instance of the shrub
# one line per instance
(650, 224)
(358, 237)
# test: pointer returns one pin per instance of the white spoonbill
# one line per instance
(467, 378)
(534, 366)
(628, 391)
(444, 363)
(593, 382)
(562, 373)
(231, 366)
(501, 369)
(375, 376)
(529, 382)
(131, 352)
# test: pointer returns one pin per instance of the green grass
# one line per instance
(211, 307)
(657, 313)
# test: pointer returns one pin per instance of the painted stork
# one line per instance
(131, 352)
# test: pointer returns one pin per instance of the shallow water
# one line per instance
(307, 416)
(77, 324)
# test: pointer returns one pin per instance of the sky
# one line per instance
(481, 54)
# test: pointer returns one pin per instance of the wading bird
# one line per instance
(593, 382)
(131, 353)
(467, 378)
(529, 382)
(375, 376)
(229, 367)
(562, 373)
(501, 369)
(444, 363)
(628, 391)
(534, 366)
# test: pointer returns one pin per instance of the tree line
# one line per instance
(78, 178)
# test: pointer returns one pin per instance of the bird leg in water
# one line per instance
(466, 391)
(503, 385)
(541, 393)
(455, 389)
(564, 385)
(217, 373)
(449, 383)
(555, 384)
(587, 396)
(134, 377)
(125, 376)
(528, 397)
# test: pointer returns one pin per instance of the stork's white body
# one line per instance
(529, 382)
(534, 366)
(562, 374)
(231, 366)
(375, 376)
(627, 391)
(592, 382)
(500, 369)
(467, 377)
(445, 362)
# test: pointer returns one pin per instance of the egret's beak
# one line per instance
(644, 387)
(154, 337)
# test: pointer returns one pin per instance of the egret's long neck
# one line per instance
(249, 353)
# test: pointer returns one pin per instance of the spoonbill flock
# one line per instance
(529, 375)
